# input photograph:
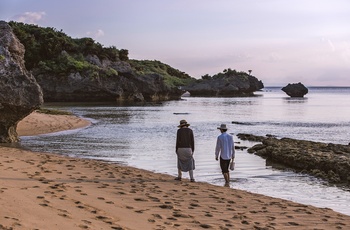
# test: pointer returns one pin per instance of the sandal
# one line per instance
(178, 178)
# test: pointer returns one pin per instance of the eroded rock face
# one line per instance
(295, 90)
(19, 92)
(124, 87)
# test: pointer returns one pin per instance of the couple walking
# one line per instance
(185, 149)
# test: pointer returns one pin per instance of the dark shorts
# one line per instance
(224, 164)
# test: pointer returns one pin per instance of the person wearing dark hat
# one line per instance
(226, 150)
(185, 150)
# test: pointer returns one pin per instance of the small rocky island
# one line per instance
(229, 83)
(328, 161)
(295, 90)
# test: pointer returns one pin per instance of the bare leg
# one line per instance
(227, 177)
(191, 174)
(179, 173)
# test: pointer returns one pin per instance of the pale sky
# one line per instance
(281, 41)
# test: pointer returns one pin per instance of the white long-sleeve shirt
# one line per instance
(225, 146)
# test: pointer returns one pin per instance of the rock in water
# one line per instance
(19, 92)
(226, 85)
(295, 90)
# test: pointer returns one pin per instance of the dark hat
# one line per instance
(222, 126)
(183, 123)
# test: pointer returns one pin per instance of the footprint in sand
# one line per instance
(166, 206)
(140, 199)
(194, 205)
(64, 215)
(87, 222)
(44, 205)
(178, 214)
(155, 199)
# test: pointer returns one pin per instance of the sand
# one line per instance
(48, 191)
(39, 123)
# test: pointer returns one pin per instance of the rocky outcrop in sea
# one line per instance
(328, 161)
(20, 94)
(295, 90)
(228, 84)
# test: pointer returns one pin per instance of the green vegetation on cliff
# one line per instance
(52, 52)
(226, 73)
(47, 44)
(172, 77)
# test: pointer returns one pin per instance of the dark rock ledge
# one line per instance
(330, 162)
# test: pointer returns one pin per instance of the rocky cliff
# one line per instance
(19, 92)
(82, 70)
(121, 84)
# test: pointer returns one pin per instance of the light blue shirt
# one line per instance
(225, 146)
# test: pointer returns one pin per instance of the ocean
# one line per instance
(143, 136)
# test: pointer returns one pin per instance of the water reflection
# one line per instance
(295, 100)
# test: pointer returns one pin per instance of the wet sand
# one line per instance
(48, 191)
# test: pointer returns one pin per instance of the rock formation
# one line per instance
(327, 161)
(122, 87)
(295, 90)
(19, 92)
(228, 85)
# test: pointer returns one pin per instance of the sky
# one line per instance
(281, 41)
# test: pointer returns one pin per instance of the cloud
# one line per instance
(29, 17)
(96, 34)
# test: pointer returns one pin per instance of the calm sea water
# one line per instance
(144, 137)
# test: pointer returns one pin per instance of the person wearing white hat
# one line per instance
(226, 150)
(184, 150)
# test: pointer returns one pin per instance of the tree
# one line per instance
(123, 55)
(206, 77)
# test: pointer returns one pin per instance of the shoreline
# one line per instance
(49, 191)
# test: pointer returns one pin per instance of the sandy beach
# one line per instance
(48, 191)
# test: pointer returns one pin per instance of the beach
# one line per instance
(49, 191)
